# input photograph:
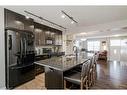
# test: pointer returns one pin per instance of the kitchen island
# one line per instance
(56, 67)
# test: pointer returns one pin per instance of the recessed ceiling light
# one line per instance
(52, 33)
(62, 16)
(72, 22)
(116, 35)
(31, 26)
(83, 33)
(42, 23)
(83, 39)
(47, 32)
(38, 30)
(27, 17)
(115, 29)
(18, 22)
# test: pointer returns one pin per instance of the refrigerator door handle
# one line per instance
(25, 47)
(21, 48)
(10, 42)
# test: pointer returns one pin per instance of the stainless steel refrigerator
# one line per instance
(20, 57)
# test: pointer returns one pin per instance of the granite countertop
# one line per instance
(53, 53)
(62, 63)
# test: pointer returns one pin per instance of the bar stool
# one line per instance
(94, 69)
(79, 78)
(90, 73)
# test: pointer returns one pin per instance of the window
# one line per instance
(115, 42)
(90, 46)
(96, 45)
(93, 45)
(124, 42)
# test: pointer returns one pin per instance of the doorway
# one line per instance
(118, 49)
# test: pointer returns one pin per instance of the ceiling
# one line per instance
(84, 15)
(100, 34)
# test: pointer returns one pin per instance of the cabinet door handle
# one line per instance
(51, 69)
(25, 46)
(21, 48)
(10, 42)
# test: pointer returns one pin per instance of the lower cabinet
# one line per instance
(39, 69)
(53, 79)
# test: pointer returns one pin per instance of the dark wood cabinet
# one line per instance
(53, 78)
(45, 35)
(58, 39)
(29, 24)
(39, 34)
(38, 69)
(18, 21)
(13, 20)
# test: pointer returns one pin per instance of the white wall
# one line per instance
(2, 50)
(64, 43)
(119, 52)
(69, 44)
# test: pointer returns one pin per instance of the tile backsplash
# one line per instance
(39, 50)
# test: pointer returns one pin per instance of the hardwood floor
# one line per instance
(37, 83)
(110, 75)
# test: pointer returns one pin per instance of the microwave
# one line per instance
(49, 41)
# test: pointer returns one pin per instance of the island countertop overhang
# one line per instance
(62, 63)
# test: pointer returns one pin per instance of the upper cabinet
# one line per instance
(58, 38)
(29, 24)
(18, 21)
(45, 35)
(39, 32)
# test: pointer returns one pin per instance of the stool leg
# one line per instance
(86, 84)
(64, 84)
(81, 85)
(93, 77)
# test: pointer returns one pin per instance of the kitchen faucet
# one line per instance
(75, 49)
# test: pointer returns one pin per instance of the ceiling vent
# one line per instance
(124, 27)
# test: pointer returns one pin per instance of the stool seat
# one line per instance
(78, 76)
(74, 77)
